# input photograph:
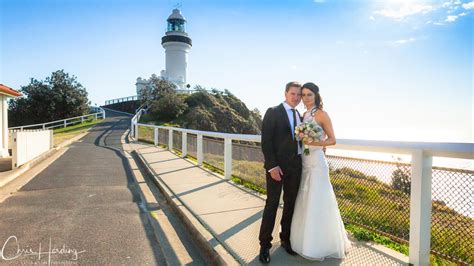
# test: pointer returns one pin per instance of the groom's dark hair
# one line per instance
(292, 84)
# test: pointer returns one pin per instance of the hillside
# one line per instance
(204, 110)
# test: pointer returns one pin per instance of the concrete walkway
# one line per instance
(85, 208)
(232, 213)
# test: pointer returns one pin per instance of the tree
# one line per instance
(401, 180)
(168, 107)
(58, 97)
(158, 87)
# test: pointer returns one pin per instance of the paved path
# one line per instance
(85, 205)
(233, 214)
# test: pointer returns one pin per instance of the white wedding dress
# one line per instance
(317, 230)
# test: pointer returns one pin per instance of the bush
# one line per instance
(401, 180)
(158, 87)
(168, 107)
(57, 97)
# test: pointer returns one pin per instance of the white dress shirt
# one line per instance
(289, 113)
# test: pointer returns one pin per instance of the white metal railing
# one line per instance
(189, 91)
(123, 99)
(421, 154)
(134, 122)
(63, 122)
(135, 97)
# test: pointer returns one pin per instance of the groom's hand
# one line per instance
(276, 173)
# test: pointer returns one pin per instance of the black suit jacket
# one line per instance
(278, 145)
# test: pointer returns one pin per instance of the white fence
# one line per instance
(123, 99)
(134, 122)
(135, 97)
(64, 122)
(421, 154)
(29, 144)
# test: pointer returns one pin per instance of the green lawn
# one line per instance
(64, 133)
(145, 134)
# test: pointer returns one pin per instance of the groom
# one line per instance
(282, 153)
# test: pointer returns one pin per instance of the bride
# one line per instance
(317, 231)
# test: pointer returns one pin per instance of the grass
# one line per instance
(63, 134)
(363, 234)
(145, 134)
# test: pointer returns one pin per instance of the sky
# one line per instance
(387, 70)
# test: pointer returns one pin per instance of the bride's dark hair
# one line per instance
(318, 101)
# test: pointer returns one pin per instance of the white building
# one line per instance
(5, 93)
(177, 45)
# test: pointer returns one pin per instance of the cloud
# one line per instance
(451, 18)
(405, 10)
(469, 5)
(402, 41)
(432, 13)
(405, 41)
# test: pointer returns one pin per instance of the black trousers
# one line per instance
(290, 182)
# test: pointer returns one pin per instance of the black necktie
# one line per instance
(294, 121)
(294, 125)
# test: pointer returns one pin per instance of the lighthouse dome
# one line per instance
(176, 15)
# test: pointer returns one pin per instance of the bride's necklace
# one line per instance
(312, 111)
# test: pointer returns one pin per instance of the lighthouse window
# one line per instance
(176, 25)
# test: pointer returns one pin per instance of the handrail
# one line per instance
(65, 121)
(134, 121)
(450, 150)
(122, 99)
(421, 153)
(135, 97)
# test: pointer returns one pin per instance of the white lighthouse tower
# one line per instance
(177, 45)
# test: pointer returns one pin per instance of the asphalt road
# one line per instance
(82, 209)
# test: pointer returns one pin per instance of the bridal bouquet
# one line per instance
(308, 131)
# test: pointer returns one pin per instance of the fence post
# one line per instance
(184, 144)
(136, 132)
(82, 119)
(227, 158)
(199, 150)
(95, 116)
(14, 150)
(103, 114)
(170, 139)
(51, 139)
(44, 126)
(420, 208)
(65, 123)
(155, 135)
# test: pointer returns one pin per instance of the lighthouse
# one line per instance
(177, 44)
